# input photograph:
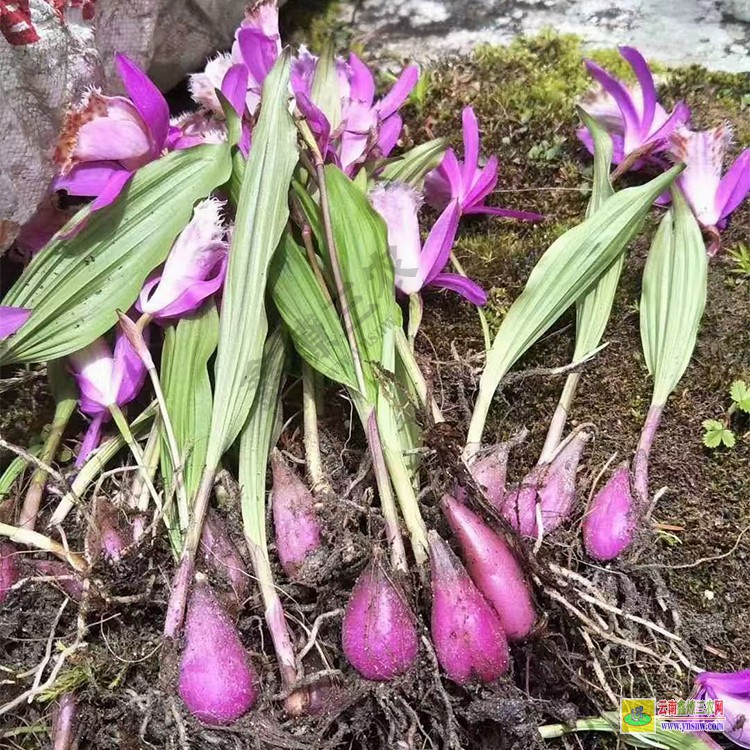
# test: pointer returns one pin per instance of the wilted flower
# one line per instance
(11, 319)
(195, 267)
(640, 127)
(467, 182)
(733, 690)
(417, 265)
(712, 197)
(105, 380)
(107, 138)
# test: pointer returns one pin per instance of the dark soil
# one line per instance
(685, 575)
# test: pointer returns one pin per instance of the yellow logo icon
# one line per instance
(637, 715)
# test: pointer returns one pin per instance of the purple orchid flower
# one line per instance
(640, 127)
(365, 126)
(107, 138)
(193, 129)
(194, 270)
(417, 265)
(712, 197)
(11, 319)
(733, 689)
(105, 379)
(465, 181)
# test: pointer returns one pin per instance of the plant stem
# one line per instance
(138, 488)
(560, 417)
(411, 366)
(640, 462)
(95, 465)
(385, 491)
(35, 539)
(135, 449)
(416, 308)
(33, 500)
(317, 476)
(296, 702)
(482, 317)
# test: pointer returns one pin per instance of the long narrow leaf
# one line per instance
(563, 274)
(188, 346)
(310, 316)
(262, 213)
(593, 310)
(673, 297)
(75, 286)
(412, 167)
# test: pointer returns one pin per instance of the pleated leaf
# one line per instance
(673, 297)
(593, 310)
(412, 167)
(188, 346)
(259, 435)
(565, 272)
(75, 286)
(262, 213)
(366, 265)
(309, 314)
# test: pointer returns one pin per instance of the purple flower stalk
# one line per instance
(379, 631)
(11, 319)
(639, 125)
(469, 640)
(9, 573)
(194, 269)
(105, 379)
(733, 688)
(610, 521)
(552, 485)
(294, 519)
(107, 138)
(712, 197)
(217, 680)
(417, 265)
(465, 181)
(493, 568)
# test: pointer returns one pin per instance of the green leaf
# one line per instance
(366, 266)
(564, 273)
(259, 435)
(188, 346)
(75, 286)
(593, 310)
(412, 167)
(716, 434)
(232, 120)
(673, 297)
(326, 93)
(740, 394)
(262, 213)
(309, 314)
(15, 469)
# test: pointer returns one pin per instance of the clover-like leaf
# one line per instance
(740, 394)
(717, 433)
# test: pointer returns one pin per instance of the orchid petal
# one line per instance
(725, 682)
(467, 288)
(437, 189)
(471, 144)
(11, 319)
(317, 121)
(128, 370)
(110, 139)
(437, 246)
(399, 92)
(91, 439)
(259, 52)
(245, 141)
(88, 179)
(361, 81)
(452, 170)
(734, 186)
(484, 183)
(390, 132)
(93, 370)
(648, 90)
(112, 190)
(234, 87)
(680, 115)
(619, 93)
(148, 100)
